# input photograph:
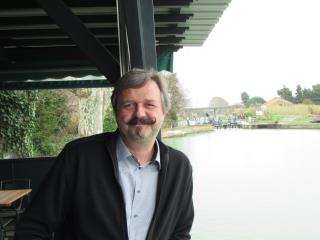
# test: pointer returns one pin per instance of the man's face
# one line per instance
(140, 113)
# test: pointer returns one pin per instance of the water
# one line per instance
(255, 184)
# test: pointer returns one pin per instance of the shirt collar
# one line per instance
(123, 151)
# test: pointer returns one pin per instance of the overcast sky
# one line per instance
(257, 46)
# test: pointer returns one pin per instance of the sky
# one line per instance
(257, 46)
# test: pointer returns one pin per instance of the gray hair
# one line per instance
(136, 78)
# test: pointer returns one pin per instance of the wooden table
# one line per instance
(8, 197)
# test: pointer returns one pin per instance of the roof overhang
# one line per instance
(41, 40)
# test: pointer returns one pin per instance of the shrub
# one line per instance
(109, 121)
(50, 123)
(17, 113)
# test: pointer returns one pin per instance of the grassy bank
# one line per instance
(290, 121)
(181, 131)
(295, 116)
(289, 116)
(282, 126)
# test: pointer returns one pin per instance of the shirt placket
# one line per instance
(135, 214)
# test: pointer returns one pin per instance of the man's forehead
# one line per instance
(149, 86)
(145, 95)
(145, 99)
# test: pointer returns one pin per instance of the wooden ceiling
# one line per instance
(34, 46)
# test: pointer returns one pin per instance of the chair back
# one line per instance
(21, 183)
(15, 183)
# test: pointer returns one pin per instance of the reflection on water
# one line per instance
(255, 184)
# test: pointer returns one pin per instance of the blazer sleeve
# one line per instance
(183, 227)
(50, 205)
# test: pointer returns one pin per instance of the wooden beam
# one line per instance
(139, 16)
(84, 39)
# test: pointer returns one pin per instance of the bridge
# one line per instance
(211, 112)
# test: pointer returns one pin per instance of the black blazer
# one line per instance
(82, 199)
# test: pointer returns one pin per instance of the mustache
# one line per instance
(143, 121)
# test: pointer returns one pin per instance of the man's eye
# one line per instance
(151, 105)
(127, 105)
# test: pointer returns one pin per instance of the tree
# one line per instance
(91, 109)
(255, 101)
(285, 93)
(109, 119)
(176, 95)
(307, 94)
(245, 98)
(218, 102)
(298, 95)
(316, 93)
(51, 122)
(17, 114)
(312, 95)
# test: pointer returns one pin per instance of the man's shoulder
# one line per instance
(174, 155)
(166, 149)
(177, 153)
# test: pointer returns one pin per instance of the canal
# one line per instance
(255, 184)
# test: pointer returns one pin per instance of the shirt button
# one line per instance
(138, 191)
(135, 216)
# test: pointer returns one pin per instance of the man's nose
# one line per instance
(140, 111)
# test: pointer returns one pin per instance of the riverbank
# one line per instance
(182, 131)
(282, 126)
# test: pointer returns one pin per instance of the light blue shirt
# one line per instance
(139, 188)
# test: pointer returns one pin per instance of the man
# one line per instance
(121, 185)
